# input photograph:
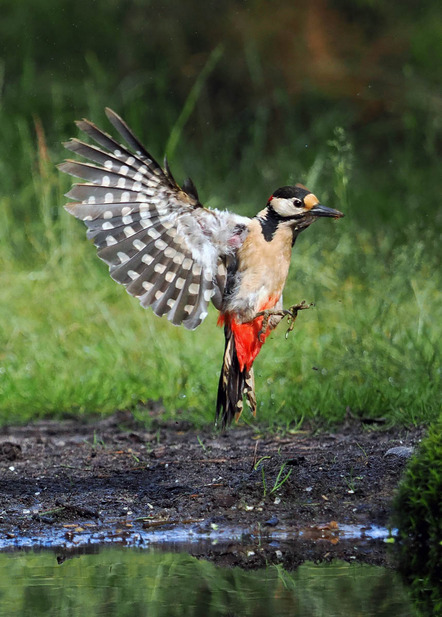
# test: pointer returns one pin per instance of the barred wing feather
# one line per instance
(158, 240)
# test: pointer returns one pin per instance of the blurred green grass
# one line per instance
(242, 110)
(71, 340)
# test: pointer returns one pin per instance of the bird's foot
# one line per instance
(290, 313)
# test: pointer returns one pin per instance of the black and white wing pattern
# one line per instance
(158, 240)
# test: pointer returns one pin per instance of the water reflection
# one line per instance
(134, 583)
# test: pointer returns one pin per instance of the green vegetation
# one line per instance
(279, 481)
(418, 508)
(132, 583)
(71, 340)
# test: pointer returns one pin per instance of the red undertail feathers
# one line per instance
(243, 344)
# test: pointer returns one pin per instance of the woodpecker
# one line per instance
(176, 256)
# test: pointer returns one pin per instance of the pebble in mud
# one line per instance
(400, 451)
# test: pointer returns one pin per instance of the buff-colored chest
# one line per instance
(262, 269)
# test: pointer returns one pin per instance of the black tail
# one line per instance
(234, 384)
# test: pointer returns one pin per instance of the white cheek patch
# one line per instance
(284, 207)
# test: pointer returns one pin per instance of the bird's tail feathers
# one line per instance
(235, 384)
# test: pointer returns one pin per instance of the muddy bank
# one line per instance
(240, 498)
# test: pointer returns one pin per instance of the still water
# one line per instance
(138, 583)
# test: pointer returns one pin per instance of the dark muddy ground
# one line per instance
(72, 484)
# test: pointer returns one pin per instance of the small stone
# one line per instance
(400, 451)
(224, 499)
(10, 451)
(159, 452)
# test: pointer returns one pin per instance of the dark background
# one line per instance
(281, 77)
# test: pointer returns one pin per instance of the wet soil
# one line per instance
(73, 484)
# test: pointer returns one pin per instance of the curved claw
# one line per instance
(291, 313)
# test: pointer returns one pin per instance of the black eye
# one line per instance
(297, 202)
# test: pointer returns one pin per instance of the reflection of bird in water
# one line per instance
(176, 256)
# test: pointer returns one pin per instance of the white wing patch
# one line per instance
(159, 241)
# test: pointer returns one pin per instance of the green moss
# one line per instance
(418, 508)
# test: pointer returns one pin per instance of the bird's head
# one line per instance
(297, 207)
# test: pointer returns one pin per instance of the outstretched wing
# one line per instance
(159, 241)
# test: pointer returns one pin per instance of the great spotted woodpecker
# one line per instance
(176, 256)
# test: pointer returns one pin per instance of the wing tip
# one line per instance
(110, 113)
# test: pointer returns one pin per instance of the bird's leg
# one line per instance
(266, 316)
(291, 313)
